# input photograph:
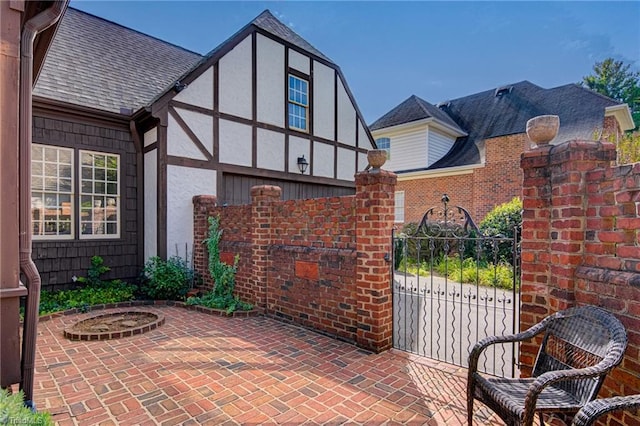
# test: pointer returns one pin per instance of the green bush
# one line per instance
(108, 292)
(223, 275)
(94, 273)
(166, 279)
(14, 412)
(501, 222)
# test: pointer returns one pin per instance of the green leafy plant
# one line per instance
(223, 275)
(14, 412)
(166, 279)
(96, 269)
(501, 222)
(108, 292)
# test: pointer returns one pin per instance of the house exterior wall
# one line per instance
(317, 262)
(408, 148)
(439, 144)
(476, 188)
(580, 246)
(60, 260)
(230, 120)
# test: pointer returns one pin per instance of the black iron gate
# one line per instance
(454, 285)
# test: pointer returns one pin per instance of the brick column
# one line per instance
(375, 204)
(202, 208)
(554, 196)
(262, 197)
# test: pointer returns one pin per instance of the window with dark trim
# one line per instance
(298, 103)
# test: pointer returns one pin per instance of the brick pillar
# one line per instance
(375, 204)
(203, 205)
(262, 197)
(554, 196)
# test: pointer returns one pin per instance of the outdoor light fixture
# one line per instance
(302, 164)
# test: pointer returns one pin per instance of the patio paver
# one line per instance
(199, 369)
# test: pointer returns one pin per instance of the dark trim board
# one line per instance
(185, 127)
(243, 170)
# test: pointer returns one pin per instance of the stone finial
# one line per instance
(543, 128)
(376, 158)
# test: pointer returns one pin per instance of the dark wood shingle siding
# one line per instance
(59, 260)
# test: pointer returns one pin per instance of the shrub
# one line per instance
(108, 292)
(96, 269)
(501, 222)
(14, 412)
(166, 279)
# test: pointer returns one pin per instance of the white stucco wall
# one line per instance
(150, 136)
(179, 143)
(297, 148)
(323, 101)
(234, 78)
(270, 84)
(363, 162)
(299, 62)
(363, 140)
(346, 117)
(323, 155)
(150, 203)
(346, 164)
(182, 184)
(201, 125)
(199, 92)
(270, 150)
(235, 143)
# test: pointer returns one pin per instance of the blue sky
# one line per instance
(390, 50)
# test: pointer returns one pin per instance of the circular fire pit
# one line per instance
(114, 325)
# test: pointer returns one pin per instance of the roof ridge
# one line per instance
(133, 30)
(588, 90)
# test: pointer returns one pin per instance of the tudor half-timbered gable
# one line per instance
(247, 114)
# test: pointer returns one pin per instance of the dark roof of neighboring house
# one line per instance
(488, 114)
(412, 109)
(96, 63)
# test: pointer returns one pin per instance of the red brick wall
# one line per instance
(497, 182)
(581, 243)
(319, 263)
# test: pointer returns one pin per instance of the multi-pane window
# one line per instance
(51, 191)
(384, 143)
(298, 111)
(99, 194)
(399, 210)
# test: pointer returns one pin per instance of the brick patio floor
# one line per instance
(202, 369)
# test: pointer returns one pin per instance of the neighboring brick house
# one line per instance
(127, 128)
(470, 148)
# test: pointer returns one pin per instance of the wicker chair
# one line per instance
(598, 407)
(579, 347)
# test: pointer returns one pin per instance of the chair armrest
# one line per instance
(598, 407)
(551, 377)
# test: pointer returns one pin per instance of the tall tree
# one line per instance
(616, 80)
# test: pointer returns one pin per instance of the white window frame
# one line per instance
(387, 147)
(398, 213)
(42, 190)
(104, 198)
(297, 101)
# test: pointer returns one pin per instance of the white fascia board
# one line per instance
(622, 114)
(399, 128)
(436, 173)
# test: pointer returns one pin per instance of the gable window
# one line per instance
(298, 105)
(384, 143)
(51, 192)
(399, 207)
(99, 195)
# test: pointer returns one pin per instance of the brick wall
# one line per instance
(478, 190)
(318, 262)
(580, 244)
(59, 260)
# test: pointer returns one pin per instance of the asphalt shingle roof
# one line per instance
(486, 115)
(96, 63)
(412, 109)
